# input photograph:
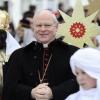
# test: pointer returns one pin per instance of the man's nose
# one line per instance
(43, 27)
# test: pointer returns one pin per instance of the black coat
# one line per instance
(22, 71)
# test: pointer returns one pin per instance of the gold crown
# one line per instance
(4, 20)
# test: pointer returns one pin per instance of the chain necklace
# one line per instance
(41, 79)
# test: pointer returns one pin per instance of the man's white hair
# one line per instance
(40, 12)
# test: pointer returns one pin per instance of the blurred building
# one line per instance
(16, 8)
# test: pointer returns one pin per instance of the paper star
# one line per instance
(78, 29)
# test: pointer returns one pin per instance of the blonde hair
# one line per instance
(4, 20)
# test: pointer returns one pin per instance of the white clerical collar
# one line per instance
(45, 45)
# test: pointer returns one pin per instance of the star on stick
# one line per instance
(78, 29)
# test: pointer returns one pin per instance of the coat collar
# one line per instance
(38, 46)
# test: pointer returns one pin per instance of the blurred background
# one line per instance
(21, 13)
(17, 8)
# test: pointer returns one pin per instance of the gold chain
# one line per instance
(41, 79)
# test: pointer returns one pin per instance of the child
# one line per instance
(7, 45)
(85, 64)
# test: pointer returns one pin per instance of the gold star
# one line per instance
(78, 29)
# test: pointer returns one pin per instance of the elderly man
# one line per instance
(41, 70)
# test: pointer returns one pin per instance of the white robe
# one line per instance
(87, 59)
(12, 44)
(84, 95)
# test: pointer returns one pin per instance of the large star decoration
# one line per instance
(78, 29)
(93, 6)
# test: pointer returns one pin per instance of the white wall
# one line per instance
(72, 2)
(1, 2)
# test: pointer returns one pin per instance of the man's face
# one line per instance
(44, 28)
(84, 80)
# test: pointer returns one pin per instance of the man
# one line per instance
(41, 70)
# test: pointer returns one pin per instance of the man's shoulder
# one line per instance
(66, 48)
(33, 46)
(22, 49)
(66, 45)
